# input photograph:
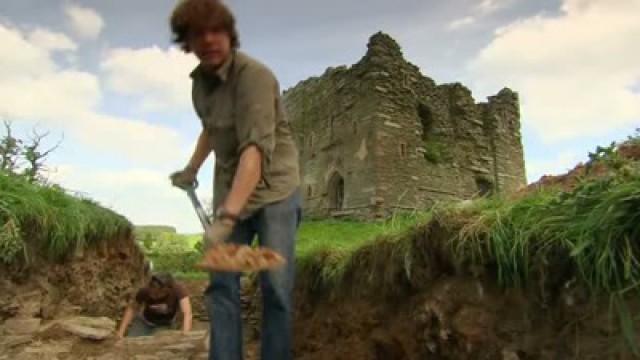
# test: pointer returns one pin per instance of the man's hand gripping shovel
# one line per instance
(222, 256)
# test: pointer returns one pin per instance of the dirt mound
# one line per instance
(60, 339)
(441, 310)
(457, 318)
(97, 282)
(567, 182)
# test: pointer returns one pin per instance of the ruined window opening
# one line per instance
(403, 150)
(355, 127)
(485, 187)
(309, 191)
(426, 120)
(336, 192)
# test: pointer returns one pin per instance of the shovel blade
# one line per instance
(240, 258)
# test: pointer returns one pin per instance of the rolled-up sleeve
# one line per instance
(256, 113)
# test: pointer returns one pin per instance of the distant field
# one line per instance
(176, 253)
(313, 235)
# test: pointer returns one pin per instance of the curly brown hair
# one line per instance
(194, 15)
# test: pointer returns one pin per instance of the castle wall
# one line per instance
(400, 141)
(409, 115)
(502, 116)
(331, 118)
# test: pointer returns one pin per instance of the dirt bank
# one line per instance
(421, 305)
(97, 281)
(457, 318)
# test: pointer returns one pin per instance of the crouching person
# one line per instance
(156, 306)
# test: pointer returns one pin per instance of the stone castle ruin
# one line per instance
(379, 136)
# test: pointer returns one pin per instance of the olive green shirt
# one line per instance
(240, 105)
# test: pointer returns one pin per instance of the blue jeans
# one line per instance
(276, 225)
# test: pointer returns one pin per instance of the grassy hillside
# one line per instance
(587, 222)
(584, 230)
(49, 220)
(593, 229)
(174, 252)
(141, 230)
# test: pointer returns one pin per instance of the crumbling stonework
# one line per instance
(379, 136)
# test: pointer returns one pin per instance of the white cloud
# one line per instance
(51, 41)
(85, 22)
(53, 97)
(462, 22)
(21, 58)
(140, 141)
(144, 196)
(159, 77)
(491, 6)
(484, 8)
(34, 88)
(574, 72)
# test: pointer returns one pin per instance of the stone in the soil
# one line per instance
(21, 326)
(106, 357)
(509, 355)
(474, 323)
(180, 347)
(89, 328)
(12, 341)
(44, 351)
(164, 355)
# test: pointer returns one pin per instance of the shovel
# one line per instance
(229, 257)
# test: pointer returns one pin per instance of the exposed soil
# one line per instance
(97, 282)
(454, 317)
(457, 318)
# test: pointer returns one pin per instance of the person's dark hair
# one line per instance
(194, 15)
(162, 280)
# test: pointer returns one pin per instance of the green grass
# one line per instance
(192, 239)
(328, 245)
(48, 220)
(591, 234)
(592, 231)
(191, 275)
(595, 229)
(154, 229)
(340, 237)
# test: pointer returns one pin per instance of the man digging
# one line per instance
(256, 174)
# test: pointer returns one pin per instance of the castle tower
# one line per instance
(379, 137)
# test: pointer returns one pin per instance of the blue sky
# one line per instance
(103, 75)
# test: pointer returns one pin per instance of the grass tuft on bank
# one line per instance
(47, 219)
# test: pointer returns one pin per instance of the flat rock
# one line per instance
(14, 341)
(89, 328)
(86, 332)
(53, 348)
(180, 347)
(107, 357)
(20, 326)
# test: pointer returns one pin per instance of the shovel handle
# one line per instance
(202, 215)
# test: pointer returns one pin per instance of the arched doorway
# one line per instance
(336, 192)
